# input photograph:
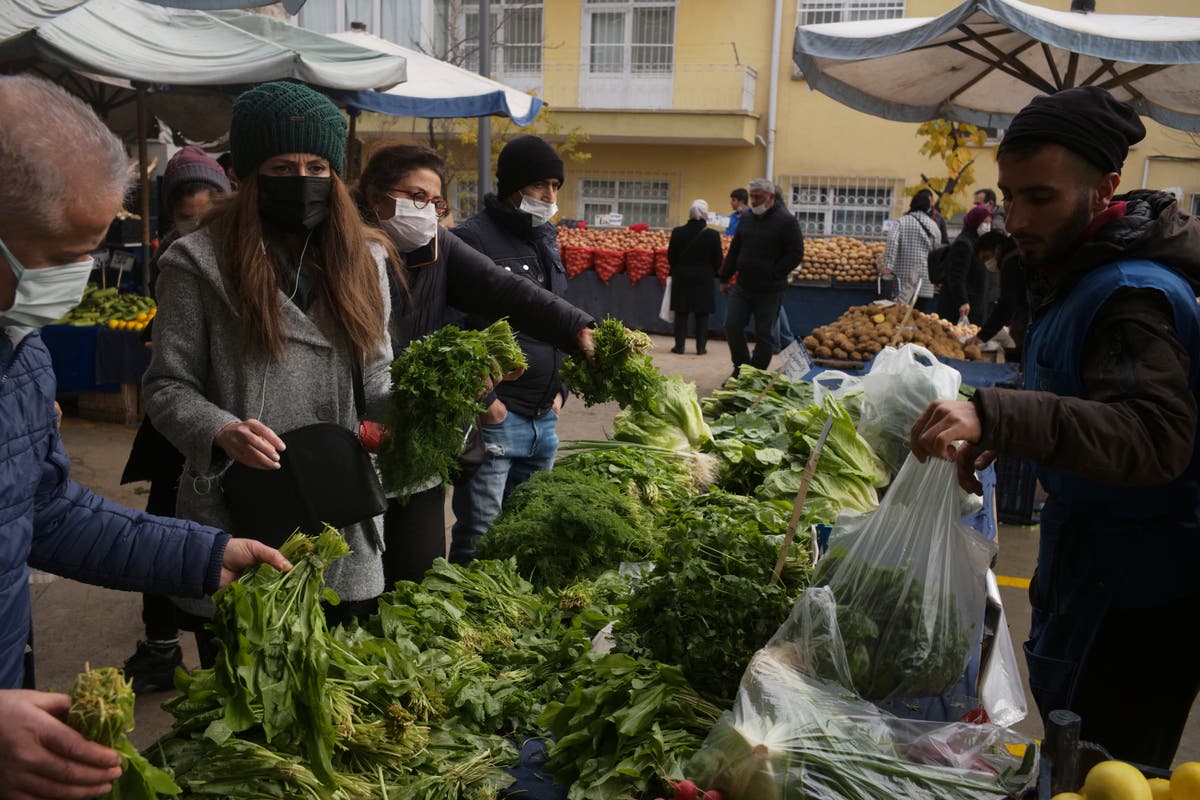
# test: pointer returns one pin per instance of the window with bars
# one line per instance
(815, 12)
(465, 198)
(630, 37)
(517, 27)
(636, 201)
(836, 206)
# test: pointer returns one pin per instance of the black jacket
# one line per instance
(694, 254)
(507, 237)
(1012, 308)
(966, 280)
(765, 250)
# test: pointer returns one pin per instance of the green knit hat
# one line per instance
(284, 117)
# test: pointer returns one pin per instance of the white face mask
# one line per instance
(541, 211)
(411, 227)
(758, 211)
(984, 227)
(44, 295)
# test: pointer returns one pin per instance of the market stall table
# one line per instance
(104, 366)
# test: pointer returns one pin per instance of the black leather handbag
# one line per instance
(325, 476)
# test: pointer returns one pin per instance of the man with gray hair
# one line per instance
(768, 245)
(57, 208)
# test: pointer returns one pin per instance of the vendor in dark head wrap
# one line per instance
(1108, 416)
(1062, 158)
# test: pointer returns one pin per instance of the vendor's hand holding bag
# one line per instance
(325, 476)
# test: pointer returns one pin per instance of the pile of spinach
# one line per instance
(740, 391)
(437, 383)
(653, 475)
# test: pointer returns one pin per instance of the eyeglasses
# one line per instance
(420, 200)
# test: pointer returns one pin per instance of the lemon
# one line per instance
(1067, 796)
(112, 323)
(1116, 780)
(1185, 781)
(142, 316)
(1160, 788)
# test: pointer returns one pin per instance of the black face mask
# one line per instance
(293, 203)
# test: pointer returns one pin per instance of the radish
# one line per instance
(712, 794)
(686, 790)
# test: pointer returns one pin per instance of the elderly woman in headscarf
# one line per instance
(694, 254)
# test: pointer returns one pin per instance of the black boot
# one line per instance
(680, 332)
(701, 334)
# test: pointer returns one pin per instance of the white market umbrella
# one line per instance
(436, 89)
(983, 61)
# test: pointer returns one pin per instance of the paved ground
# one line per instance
(77, 624)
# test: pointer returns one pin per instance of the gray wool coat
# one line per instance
(202, 377)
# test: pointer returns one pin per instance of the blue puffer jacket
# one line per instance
(52, 523)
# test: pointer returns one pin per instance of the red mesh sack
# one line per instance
(608, 263)
(638, 264)
(661, 267)
(576, 259)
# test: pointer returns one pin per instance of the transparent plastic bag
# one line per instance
(909, 579)
(1001, 691)
(896, 391)
(792, 735)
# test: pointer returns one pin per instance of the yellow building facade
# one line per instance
(674, 97)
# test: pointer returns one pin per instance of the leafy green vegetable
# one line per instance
(621, 367)
(895, 646)
(625, 729)
(674, 400)
(639, 426)
(708, 605)
(562, 526)
(102, 710)
(436, 385)
(741, 390)
(845, 448)
(652, 475)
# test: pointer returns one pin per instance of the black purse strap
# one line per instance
(360, 393)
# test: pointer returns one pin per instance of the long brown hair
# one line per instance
(348, 277)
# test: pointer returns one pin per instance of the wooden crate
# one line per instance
(123, 407)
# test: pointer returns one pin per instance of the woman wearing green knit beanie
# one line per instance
(266, 314)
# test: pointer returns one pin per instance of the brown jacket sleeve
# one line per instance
(1139, 423)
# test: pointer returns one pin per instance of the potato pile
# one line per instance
(863, 331)
(841, 257)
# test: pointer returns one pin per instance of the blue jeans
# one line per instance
(765, 308)
(782, 335)
(516, 447)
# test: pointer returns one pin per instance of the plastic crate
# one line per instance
(1016, 491)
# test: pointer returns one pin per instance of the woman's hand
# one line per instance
(252, 443)
(587, 344)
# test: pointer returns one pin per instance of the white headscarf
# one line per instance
(699, 210)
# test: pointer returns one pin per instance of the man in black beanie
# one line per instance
(1108, 416)
(519, 427)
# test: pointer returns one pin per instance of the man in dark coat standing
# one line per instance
(1109, 418)
(768, 245)
(964, 291)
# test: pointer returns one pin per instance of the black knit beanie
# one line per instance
(284, 117)
(1086, 120)
(525, 160)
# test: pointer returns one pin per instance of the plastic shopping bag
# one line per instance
(664, 309)
(793, 735)
(896, 391)
(909, 579)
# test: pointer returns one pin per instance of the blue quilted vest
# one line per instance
(1141, 543)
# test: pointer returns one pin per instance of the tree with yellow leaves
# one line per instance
(950, 142)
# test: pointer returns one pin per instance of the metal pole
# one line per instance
(485, 122)
(144, 186)
(773, 96)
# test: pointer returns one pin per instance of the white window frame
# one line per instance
(829, 205)
(811, 12)
(341, 12)
(517, 76)
(614, 202)
(627, 87)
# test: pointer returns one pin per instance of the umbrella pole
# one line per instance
(485, 122)
(144, 183)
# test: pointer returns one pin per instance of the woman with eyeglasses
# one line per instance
(401, 194)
